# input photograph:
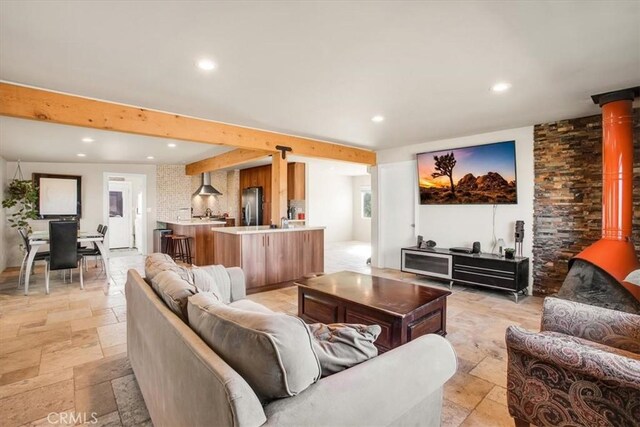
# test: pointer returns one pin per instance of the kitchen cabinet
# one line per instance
(201, 240)
(270, 257)
(312, 253)
(254, 259)
(296, 181)
(257, 177)
(283, 253)
(261, 177)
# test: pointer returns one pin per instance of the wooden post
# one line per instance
(278, 188)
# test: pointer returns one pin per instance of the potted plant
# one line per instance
(22, 195)
(509, 253)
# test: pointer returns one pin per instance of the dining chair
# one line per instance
(63, 249)
(40, 256)
(94, 251)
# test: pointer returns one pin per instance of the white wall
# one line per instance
(461, 225)
(92, 196)
(330, 202)
(3, 186)
(361, 226)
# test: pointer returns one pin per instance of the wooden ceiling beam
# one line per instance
(225, 160)
(38, 104)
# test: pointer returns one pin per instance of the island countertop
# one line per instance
(257, 229)
(188, 222)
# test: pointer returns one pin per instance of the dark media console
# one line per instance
(486, 270)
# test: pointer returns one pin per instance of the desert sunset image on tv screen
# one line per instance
(483, 174)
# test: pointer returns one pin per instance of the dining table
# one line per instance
(37, 239)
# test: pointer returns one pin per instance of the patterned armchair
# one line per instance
(582, 369)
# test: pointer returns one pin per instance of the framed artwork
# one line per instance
(59, 196)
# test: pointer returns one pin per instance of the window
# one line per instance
(365, 205)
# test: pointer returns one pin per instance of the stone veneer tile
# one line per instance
(102, 370)
(97, 399)
(131, 406)
(568, 195)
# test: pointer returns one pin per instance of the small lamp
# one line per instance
(633, 278)
(500, 244)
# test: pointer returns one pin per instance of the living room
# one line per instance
(449, 216)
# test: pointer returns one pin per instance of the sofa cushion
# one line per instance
(174, 291)
(248, 305)
(340, 346)
(157, 263)
(217, 280)
(206, 283)
(272, 351)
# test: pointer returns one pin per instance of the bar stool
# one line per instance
(167, 247)
(180, 248)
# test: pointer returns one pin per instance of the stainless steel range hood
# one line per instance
(206, 189)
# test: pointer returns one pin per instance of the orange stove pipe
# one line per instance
(617, 170)
(615, 252)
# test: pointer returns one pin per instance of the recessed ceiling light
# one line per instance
(88, 139)
(377, 119)
(81, 155)
(501, 87)
(150, 157)
(171, 145)
(206, 64)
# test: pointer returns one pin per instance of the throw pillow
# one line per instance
(174, 291)
(271, 351)
(219, 276)
(206, 283)
(340, 346)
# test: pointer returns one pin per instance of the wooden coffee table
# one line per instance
(404, 311)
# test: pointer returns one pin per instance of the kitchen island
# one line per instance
(200, 231)
(270, 257)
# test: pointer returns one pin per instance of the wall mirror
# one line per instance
(59, 196)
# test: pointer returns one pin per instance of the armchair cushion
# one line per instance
(554, 379)
(610, 327)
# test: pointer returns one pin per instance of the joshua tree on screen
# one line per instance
(444, 167)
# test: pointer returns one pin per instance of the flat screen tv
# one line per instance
(482, 174)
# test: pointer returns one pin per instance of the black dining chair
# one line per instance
(40, 255)
(63, 249)
(93, 250)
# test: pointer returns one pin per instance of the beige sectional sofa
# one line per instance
(185, 383)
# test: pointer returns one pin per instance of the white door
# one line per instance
(120, 215)
(397, 192)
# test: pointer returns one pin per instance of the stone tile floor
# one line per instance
(63, 356)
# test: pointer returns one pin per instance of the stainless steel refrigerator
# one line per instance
(252, 206)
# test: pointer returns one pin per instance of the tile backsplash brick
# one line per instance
(175, 189)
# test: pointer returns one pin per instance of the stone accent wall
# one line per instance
(175, 188)
(568, 195)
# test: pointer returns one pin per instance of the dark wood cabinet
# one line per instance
(283, 253)
(201, 241)
(253, 259)
(270, 258)
(312, 259)
(261, 177)
(296, 181)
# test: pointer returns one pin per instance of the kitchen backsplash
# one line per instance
(175, 189)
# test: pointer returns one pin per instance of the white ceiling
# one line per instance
(32, 141)
(323, 69)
